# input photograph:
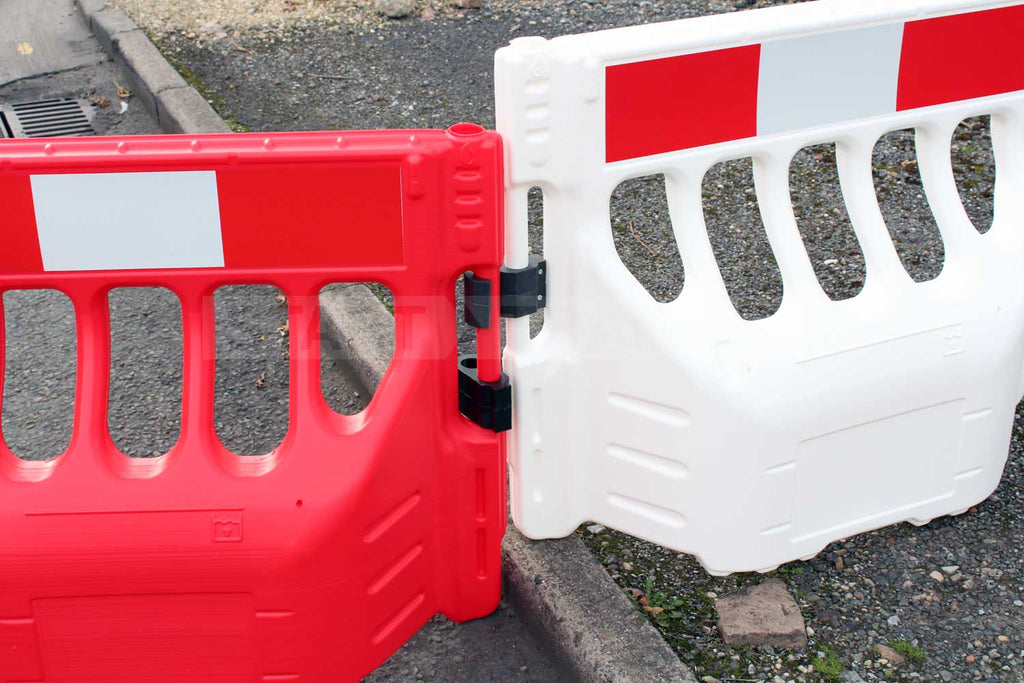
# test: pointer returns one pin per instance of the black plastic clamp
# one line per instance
(477, 305)
(488, 404)
(524, 290)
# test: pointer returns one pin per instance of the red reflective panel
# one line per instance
(313, 215)
(664, 105)
(19, 246)
(961, 57)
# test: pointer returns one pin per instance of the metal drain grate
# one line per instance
(46, 119)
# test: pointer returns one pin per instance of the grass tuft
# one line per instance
(828, 665)
(906, 648)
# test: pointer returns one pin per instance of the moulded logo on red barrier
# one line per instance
(227, 527)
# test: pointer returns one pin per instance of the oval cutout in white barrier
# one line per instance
(750, 443)
(824, 222)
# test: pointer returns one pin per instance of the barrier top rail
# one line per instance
(680, 85)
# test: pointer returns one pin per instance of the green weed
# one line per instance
(906, 648)
(828, 665)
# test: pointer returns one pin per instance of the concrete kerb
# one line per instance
(566, 598)
(557, 588)
(177, 107)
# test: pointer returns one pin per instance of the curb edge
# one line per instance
(176, 106)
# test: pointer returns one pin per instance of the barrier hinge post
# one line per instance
(488, 404)
(524, 290)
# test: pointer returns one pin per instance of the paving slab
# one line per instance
(762, 614)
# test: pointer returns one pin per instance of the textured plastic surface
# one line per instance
(315, 562)
(749, 444)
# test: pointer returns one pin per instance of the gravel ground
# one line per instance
(878, 588)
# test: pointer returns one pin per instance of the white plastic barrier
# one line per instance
(753, 443)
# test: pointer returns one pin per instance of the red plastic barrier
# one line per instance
(313, 563)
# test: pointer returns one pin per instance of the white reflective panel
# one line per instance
(830, 77)
(125, 221)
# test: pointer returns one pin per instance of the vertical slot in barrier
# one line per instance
(535, 235)
(738, 238)
(644, 238)
(824, 222)
(974, 168)
(905, 207)
(144, 409)
(464, 332)
(251, 405)
(356, 346)
(39, 373)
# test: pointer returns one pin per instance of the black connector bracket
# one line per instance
(524, 290)
(477, 305)
(488, 404)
